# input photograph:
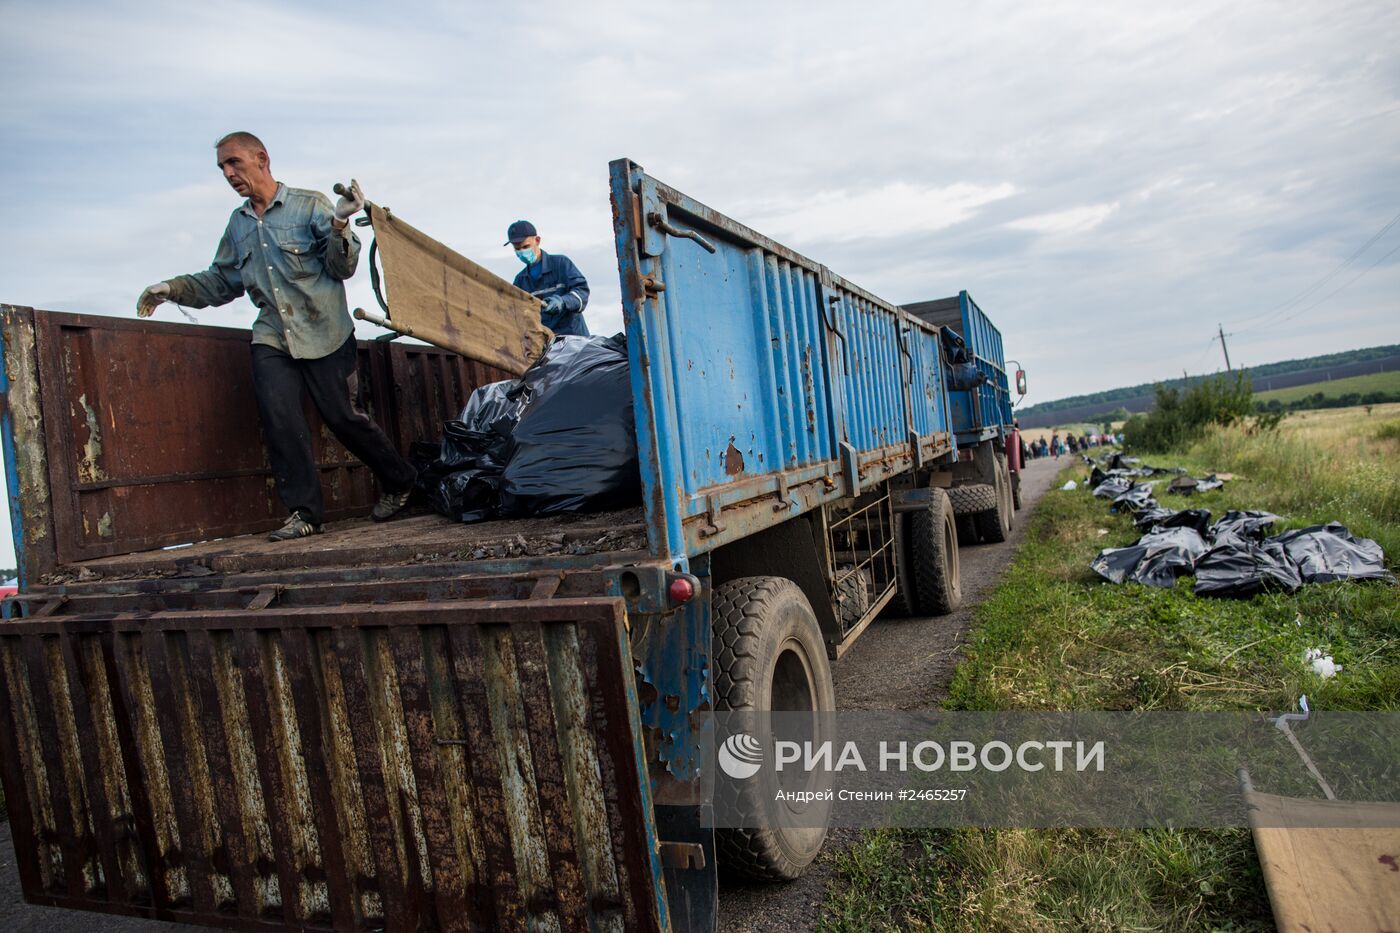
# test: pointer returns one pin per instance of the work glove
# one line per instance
(553, 305)
(151, 297)
(350, 203)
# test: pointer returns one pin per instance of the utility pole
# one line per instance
(1226, 349)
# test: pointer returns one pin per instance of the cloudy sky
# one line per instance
(1109, 182)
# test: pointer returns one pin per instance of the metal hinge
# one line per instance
(782, 505)
(713, 525)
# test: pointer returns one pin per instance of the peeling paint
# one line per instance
(89, 471)
(733, 459)
(104, 525)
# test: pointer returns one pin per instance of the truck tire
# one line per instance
(973, 498)
(995, 525)
(1016, 490)
(768, 655)
(852, 597)
(933, 545)
(901, 604)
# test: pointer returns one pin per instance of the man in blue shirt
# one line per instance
(291, 252)
(551, 278)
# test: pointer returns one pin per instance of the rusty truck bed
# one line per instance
(419, 539)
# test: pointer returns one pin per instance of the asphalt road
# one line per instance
(897, 664)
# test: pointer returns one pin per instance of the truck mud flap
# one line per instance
(437, 765)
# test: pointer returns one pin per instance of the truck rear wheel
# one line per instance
(768, 655)
(973, 498)
(933, 549)
(1016, 490)
(995, 525)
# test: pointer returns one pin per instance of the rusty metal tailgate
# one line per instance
(436, 765)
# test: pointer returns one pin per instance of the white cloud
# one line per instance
(892, 210)
(1094, 166)
(1070, 221)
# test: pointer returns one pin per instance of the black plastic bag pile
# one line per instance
(1186, 485)
(1235, 557)
(1158, 558)
(561, 438)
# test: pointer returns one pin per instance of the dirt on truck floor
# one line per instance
(897, 664)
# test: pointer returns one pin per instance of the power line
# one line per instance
(1322, 281)
(1339, 287)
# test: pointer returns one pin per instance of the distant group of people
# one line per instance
(1056, 446)
(290, 250)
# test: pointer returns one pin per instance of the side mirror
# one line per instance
(1020, 382)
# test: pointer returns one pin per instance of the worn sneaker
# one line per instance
(390, 504)
(296, 527)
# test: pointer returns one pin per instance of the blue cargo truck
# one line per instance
(426, 725)
(986, 489)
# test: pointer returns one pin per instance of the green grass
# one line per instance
(1055, 636)
(1072, 880)
(1371, 382)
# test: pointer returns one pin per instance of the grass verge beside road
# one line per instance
(1054, 636)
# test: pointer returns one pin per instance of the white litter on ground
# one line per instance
(1322, 664)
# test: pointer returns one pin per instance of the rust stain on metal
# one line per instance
(733, 459)
(132, 660)
(582, 774)
(23, 406)
(252, 807)
(89, 470)
(36, 778)
(56, 683)
(279, 769)
(345, 780)
(110, 772)
(517, 771)
(305, 843)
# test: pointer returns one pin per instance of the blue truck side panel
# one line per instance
(764, 384)
(983, 413)
(994, 395)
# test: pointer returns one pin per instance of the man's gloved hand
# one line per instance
(553, 305)
(350, 203)
(151, 297)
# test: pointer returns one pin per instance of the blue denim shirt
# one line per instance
(293, 265)
(553, 274)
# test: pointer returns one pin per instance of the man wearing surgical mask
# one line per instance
(552, 278)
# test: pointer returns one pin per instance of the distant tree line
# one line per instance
(1325, 361)
(1318, 400)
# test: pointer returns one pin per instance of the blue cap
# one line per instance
(519, 231)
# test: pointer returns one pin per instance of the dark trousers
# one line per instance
(333, 383)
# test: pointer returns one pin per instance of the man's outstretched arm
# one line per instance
(219, 284)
